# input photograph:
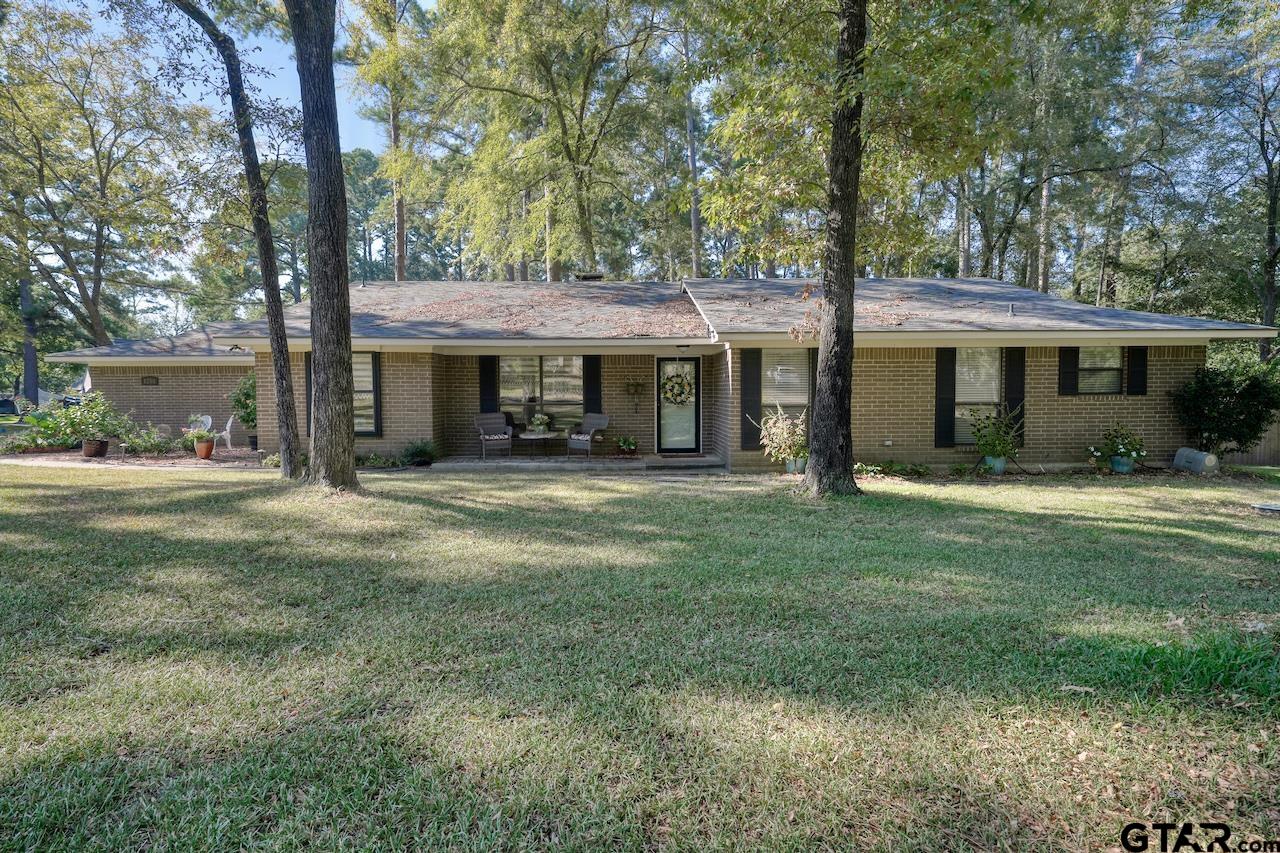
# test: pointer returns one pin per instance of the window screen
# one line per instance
(784, 380)
(977, 387)
(362, 372)
(1101, 370)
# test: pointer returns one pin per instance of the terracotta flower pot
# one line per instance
(94, 447)
(204, 449)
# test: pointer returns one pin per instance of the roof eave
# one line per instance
(379, 343)
(993, 337)
(156, 360)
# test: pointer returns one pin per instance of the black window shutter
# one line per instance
(1137, 365)
(376, 362)
(489, 383)
(1068, 371)
(1015, 385)
(592, 394)
(944, 397)
(750, 385)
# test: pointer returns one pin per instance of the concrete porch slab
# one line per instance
(708, 463)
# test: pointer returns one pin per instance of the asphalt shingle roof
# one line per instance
(194, 344)
(520, 310)
(739, 306)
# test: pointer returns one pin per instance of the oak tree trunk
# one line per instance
(830, 468)
(242, 118)
(312, 23)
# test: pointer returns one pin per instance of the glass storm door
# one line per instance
(678, 407)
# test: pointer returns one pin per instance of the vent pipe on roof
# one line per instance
(1010, 309)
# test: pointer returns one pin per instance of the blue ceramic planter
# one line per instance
(1122, 464)
(995, 464)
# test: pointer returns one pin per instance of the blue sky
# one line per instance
(273, 73)
(282, 82)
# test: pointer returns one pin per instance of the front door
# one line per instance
(679, 412)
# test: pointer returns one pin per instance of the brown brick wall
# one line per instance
(437, 396)
(268, 425)
(408, 410)
(719, 405)
(1062, 428)
(460, 389)
(628, 415)
(182, 392)
(893, 391)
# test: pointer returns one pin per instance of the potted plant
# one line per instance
(1121, 448)
(93, 422)
(627, 445)
(202, 442)
(783, 438)
(539, 423)
(244, 405)
(996, 435)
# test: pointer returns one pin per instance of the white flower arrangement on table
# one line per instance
(677, 389)
(539, 422)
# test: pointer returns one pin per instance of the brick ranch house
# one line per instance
(429, 356)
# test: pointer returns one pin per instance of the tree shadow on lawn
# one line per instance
(573, 624)
(906, 593)
(376, 773)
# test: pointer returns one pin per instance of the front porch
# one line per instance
(703, 463)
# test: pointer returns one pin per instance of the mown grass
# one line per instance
(214, 660)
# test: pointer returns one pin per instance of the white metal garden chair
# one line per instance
(226, 432)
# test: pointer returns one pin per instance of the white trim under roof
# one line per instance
(496, 346)
(979, 337)
(153, 360)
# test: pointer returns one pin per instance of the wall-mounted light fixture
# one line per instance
(635, 390)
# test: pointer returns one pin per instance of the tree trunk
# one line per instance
(770, 268)
(242, 118)
(397, 192)
(30, 364)
(295, 273)
(1271, 254)
(1077, 252)
(508, 272)
(312, 23)
(1044, 251)
(830, 468)
(552, 260)
(964, 234)
(691, 150)
(583, 207)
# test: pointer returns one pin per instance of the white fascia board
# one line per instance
(500, 346)
(154, 360)
(1155, 337)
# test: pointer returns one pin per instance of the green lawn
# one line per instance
(201, 660)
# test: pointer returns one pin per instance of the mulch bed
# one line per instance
(241, 457)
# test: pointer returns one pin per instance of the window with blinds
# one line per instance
(366, 382)
(550, 385)
(977, 387)
(365, 397)
(784, 380)
(1101, 370)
